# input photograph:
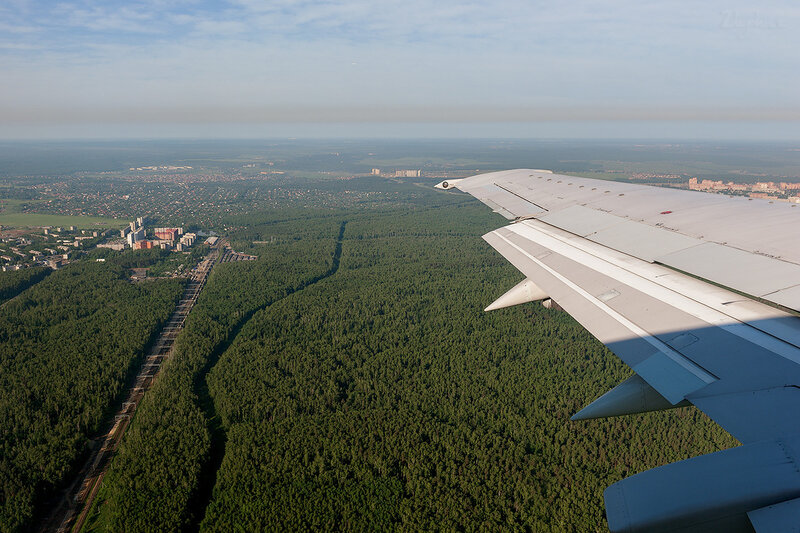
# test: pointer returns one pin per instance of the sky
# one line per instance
(410, 68)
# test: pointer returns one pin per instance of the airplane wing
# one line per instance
(698, 293)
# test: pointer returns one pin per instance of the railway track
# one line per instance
(70, 513)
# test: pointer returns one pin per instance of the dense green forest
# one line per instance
(380, 396)
(384, 398)
(67, 346)
(16, 281)
(157, 475)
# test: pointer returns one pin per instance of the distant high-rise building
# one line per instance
(167, 234)
(135, 236)
(188, 239)
(407, 173)
(376, 172)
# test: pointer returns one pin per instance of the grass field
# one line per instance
(21, 220)
(11, 215)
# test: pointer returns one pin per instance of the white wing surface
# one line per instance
(698, 294)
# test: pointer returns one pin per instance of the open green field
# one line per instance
(11, 215)
(36, 219)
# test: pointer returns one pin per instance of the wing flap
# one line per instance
(751, 415)
(778, 518)
(603, 326)
(573, 286)
(685, 340)
(713, 492)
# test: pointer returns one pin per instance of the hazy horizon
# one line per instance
(779, 131)
(349, 68)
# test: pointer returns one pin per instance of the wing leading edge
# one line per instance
(625, 276)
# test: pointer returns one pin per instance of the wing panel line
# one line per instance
(700, 373)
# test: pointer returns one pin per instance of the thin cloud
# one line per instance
(418, 60)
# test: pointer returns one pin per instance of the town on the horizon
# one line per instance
(55, 246)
